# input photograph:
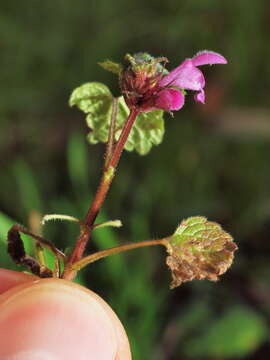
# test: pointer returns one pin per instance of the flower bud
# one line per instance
(139, 80)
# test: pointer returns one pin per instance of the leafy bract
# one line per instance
(111, 66)
(95, 99)
(199, 249)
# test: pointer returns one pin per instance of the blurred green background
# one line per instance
(214, 161)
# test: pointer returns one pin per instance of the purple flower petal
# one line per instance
(208, 58)
(170, 99)
(200, 97)
(185, 76)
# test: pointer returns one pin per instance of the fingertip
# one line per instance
(11, 278)
(60, 318)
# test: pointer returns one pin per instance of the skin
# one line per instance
(52, 319)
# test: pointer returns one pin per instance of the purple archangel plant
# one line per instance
(198, 249)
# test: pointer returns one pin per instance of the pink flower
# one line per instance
(185, 77)
(147, 86)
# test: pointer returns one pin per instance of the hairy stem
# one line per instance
(122, 139)
(116, 250)
(110, 143)
(100, 196)
(104, 186)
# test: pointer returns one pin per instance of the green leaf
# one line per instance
(111, 66)
(95, 100)
(199, 249)
(93, 97)
(235, 334)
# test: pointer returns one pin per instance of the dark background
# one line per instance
(214, 161)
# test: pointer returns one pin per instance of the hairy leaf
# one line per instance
(199, 249)
(92, 97)
(95, 100)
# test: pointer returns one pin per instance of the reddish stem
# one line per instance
(100, 196)
(123, 138)
(111, 137)
(109, 171)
